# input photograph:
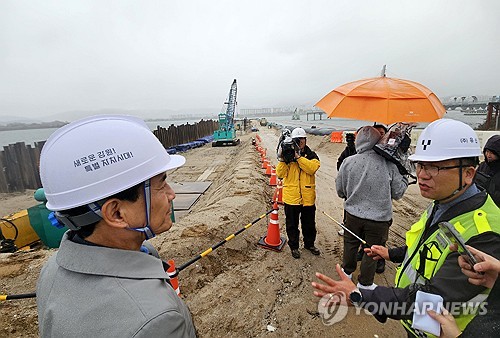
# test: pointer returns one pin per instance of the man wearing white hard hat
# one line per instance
(297, 166)
(446, 158)
(105, 179)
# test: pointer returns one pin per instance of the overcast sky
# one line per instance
(58, 56)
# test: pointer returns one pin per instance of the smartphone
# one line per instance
(454, 237)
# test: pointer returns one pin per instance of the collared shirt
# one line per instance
(89, 291)
(442, 207)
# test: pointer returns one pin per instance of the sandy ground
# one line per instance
(239, 289)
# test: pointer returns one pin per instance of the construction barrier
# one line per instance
(336, 136)
(228, 238)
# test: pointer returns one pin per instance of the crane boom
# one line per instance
(226, 134)
(231, 103)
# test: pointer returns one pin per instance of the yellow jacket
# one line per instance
(299, 183)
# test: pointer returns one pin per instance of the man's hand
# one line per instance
(297, 154)
(333, 287)
(378, 252)
(449, 328)
(485, 272)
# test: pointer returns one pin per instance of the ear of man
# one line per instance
(115, 213)
(469, 173)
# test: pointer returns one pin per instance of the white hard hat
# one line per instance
(298, 132)
(99, 156)
(446, 139)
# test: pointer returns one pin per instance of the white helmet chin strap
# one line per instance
(146, 230)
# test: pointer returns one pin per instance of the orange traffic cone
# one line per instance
(273, 240)
(272, 180)
(173, 280)
(278, 193)
(264, 163)
(268, 169)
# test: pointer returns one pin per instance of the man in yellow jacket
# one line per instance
(297, 166)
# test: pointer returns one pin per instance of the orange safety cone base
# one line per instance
(278, 248)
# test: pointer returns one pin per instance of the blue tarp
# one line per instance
(206, 139)
(190, 145)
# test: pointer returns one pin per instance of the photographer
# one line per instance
(297, 166)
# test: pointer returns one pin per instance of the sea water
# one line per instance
(30, 136)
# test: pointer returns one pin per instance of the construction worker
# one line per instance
(446, 157)
(104, 177)
(299, 190)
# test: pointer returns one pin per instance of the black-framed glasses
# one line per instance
(433, 170)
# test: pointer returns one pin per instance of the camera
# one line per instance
(287, 149)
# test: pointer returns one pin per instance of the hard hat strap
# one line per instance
(460, 185)
(146, 230)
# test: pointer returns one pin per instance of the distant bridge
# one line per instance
(469, 102)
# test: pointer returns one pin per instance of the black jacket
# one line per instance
(488, 173)
(348, 151)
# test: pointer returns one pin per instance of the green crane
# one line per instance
(226, 134)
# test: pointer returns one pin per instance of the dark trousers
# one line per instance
(307, 217)
(373, 233)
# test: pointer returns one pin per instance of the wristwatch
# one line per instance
(356, 297)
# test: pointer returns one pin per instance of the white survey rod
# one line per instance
(343, 226)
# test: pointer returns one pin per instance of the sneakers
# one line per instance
(314, 250)
(341, 232)
(367, 287)
(380, 266)
(296, 253)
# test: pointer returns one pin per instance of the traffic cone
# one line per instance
(173, 280)
(264, 163)
(273, 240)
(268, 169)
(278, 193)
(272, 180)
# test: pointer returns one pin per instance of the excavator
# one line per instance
(226, 134)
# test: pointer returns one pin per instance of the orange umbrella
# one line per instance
(383, 99)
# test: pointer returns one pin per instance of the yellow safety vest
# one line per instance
(470, 224)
